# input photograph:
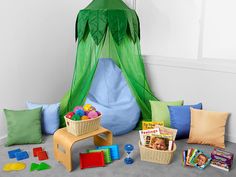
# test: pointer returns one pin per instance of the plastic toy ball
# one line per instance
(87, 107)
(128, 148)
(69, 115)
(79, 112)
(77, 108)
(84, 118)
(92, 114)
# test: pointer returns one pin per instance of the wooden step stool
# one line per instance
(63, 142)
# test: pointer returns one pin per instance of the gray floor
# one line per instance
(117, 168)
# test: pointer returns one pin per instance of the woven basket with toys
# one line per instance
(82, 120)
(157, 145)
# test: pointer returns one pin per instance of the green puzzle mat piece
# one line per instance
(34, 166)
(107, 154)
(39, 167)
(44, 166)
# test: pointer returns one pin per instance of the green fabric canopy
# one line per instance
(108, 29)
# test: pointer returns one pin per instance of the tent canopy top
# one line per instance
(101, 15)
(107, 4)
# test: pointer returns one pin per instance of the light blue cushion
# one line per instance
(110, 94)
(180, 119)
(50, 116)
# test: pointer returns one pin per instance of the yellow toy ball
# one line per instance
(84, 118)
(87, 107)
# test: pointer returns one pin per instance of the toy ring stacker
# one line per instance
(128, 148)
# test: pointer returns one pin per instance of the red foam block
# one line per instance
(90, 160)
(37, 150)
(42, 155)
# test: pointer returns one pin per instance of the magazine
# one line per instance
(158, 142)
(167, 131)
(145, 135)
(151, 125)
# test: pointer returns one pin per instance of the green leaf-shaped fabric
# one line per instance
(97, 24)
(117, 22)
(81, 23)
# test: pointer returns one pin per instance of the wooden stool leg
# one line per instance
(62, 151)
(105, 140)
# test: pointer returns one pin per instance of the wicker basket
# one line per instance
(82, 127)
(156, 156)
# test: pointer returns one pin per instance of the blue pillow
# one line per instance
(180, 119)
(50, 116)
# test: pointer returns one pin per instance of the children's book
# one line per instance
(222, 159)
(200, 160)
(189, 155)
(145, 135)
(151, 125)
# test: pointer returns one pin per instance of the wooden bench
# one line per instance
(63, 142)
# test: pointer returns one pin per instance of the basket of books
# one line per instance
(157, 145)
(82, 120)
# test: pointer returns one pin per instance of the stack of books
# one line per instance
(222, 159)
(195, 158)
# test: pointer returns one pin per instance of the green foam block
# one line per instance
(107, 154)
(34, 166)
(39, 167)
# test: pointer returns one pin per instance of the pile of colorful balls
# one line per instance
(83, 113)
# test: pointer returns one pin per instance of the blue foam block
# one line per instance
(22, 155)
(12, 153)
(115, 154)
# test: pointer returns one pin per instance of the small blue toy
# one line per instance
(128, 148)
(115, 154)
(21, 155)
(79, 112)
(12, 153)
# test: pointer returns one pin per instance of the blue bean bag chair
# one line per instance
(110, 94)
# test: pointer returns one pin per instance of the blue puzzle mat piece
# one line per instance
(115, 154)
(22, 155)
(12, 153)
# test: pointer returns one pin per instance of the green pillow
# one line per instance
(160, 111)
(24, 127)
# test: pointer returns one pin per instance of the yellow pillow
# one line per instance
(207, 127)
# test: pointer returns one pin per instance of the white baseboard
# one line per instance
(231, 139)
(3, 139)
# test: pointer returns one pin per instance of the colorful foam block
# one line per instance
(39, 167)
(42, 155)
(21, 155)
(12, 153)
(37, 150)
(90, 160)
(34, 166)
(107, 154)
(115, 154)
(16, 166)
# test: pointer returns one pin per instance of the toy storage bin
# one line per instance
(83, 126)
(156, 156)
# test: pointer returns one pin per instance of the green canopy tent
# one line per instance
(108, 29)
